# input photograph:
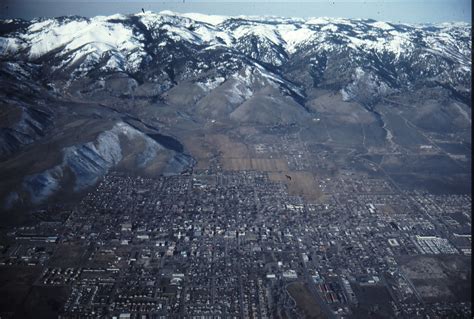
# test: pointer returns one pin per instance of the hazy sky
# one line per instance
(424, 11)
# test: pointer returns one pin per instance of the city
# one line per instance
(236, 245)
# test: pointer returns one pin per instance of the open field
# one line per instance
(227, 146)
(15, 284)
(199, 149)
(299, 183)
(374, 302)
(305, 302)
(44, 302)
(257, 164)
(439, 278)
(67, 255)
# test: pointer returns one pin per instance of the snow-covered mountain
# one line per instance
(166, 48)
(57, 75)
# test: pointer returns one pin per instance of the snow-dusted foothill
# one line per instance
(90, 161)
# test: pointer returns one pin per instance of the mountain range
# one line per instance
(81, 96)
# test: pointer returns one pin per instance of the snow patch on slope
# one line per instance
(381, 25)
(365, 87)
(294, 36)
(395, 43)
(41, 186)
(210, 19)
(261, 31)
(210, 83)
(9, 46)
